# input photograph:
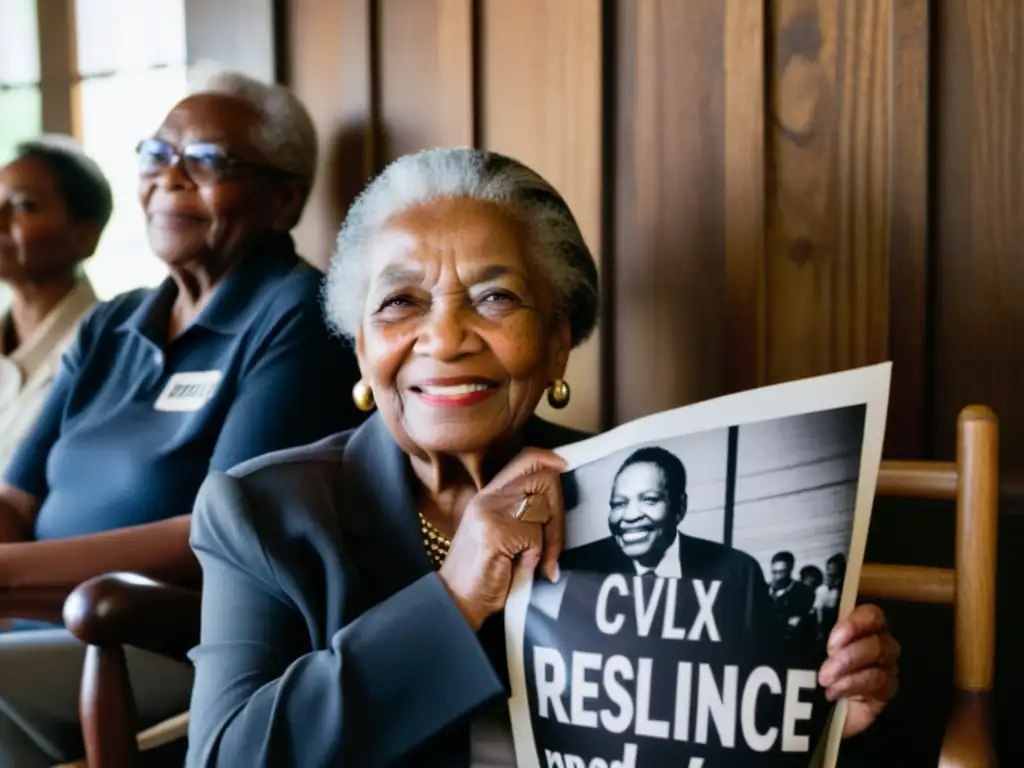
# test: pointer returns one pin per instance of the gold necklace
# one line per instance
(435, 542)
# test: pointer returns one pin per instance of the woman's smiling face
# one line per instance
(459, 337)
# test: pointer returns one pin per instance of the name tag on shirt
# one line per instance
(188, 391)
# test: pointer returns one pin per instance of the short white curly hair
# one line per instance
(286, 133)
(555, 241)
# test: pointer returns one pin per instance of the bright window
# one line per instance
(21, 112)
(130, 78)
(20, 117)
(20, 104)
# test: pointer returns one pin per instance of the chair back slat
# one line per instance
(977, 523)
(908, 583)
(972, 481)
(918, 480)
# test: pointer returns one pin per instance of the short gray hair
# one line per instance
(556, 243)
(286, 133)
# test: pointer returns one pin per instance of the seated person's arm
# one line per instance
(17, 514)
(159, 550)
(295, 392)
(389, 680)
(24, 484)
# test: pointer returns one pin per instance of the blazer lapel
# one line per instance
(378, 511)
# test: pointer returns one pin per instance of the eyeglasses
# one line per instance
(205, 163)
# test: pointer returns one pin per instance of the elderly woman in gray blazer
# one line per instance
(353, 588)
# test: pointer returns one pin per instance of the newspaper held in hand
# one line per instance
(709, 551)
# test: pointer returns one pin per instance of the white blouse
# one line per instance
(26, 372)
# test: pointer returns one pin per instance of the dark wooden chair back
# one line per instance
(972, 482)
(107, 613)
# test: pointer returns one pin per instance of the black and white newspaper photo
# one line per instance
(709, 551)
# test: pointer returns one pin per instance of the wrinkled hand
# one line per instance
(861, 666)
(490, 544)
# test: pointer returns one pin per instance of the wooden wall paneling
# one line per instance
(745, 126)
(426, 75)
(978, 339)
(330, 67)
(828, 209)
(977, 325)
(237, 34)
(540, 102)
(57, 64)
(669, 205)
(909, 173)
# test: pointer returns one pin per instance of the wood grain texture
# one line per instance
(426, 75)
(669, 205)
(977, 533)
(57, 65)
(744, 54)
(828, 208)
(540, 102)
(315, 72)
(908, 583)
(909, 219)
(978, 336)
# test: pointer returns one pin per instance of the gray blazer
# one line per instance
(327, 637)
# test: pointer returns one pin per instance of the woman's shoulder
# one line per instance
(119, 308)
(106, 317)
(300, 476)
(295, 286)
(290, 308)
(298, 460)
(271, 498)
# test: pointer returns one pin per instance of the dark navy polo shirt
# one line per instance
(133, 423)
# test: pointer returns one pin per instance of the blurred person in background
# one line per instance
(227, 359)
(54, 204)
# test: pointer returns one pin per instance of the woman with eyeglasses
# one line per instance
(229, 358)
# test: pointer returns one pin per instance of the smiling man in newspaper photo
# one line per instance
(682, 633)
(647, 505)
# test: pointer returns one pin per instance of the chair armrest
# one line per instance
(34, 603)
(128, 609)
(968, 741)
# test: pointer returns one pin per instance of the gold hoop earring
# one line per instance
(558, 393)
(362, 396)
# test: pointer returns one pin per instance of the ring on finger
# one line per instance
(522, 507)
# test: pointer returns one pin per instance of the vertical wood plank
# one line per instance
(828, 210)
(669, 205)
(237, 34)
(541, 103)
(745, 84)
(329, 64)
(909, 169)
(978, 340)
(426, 75)
(57, 65)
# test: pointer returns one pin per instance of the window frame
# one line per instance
(216, 31)
(250, 42)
